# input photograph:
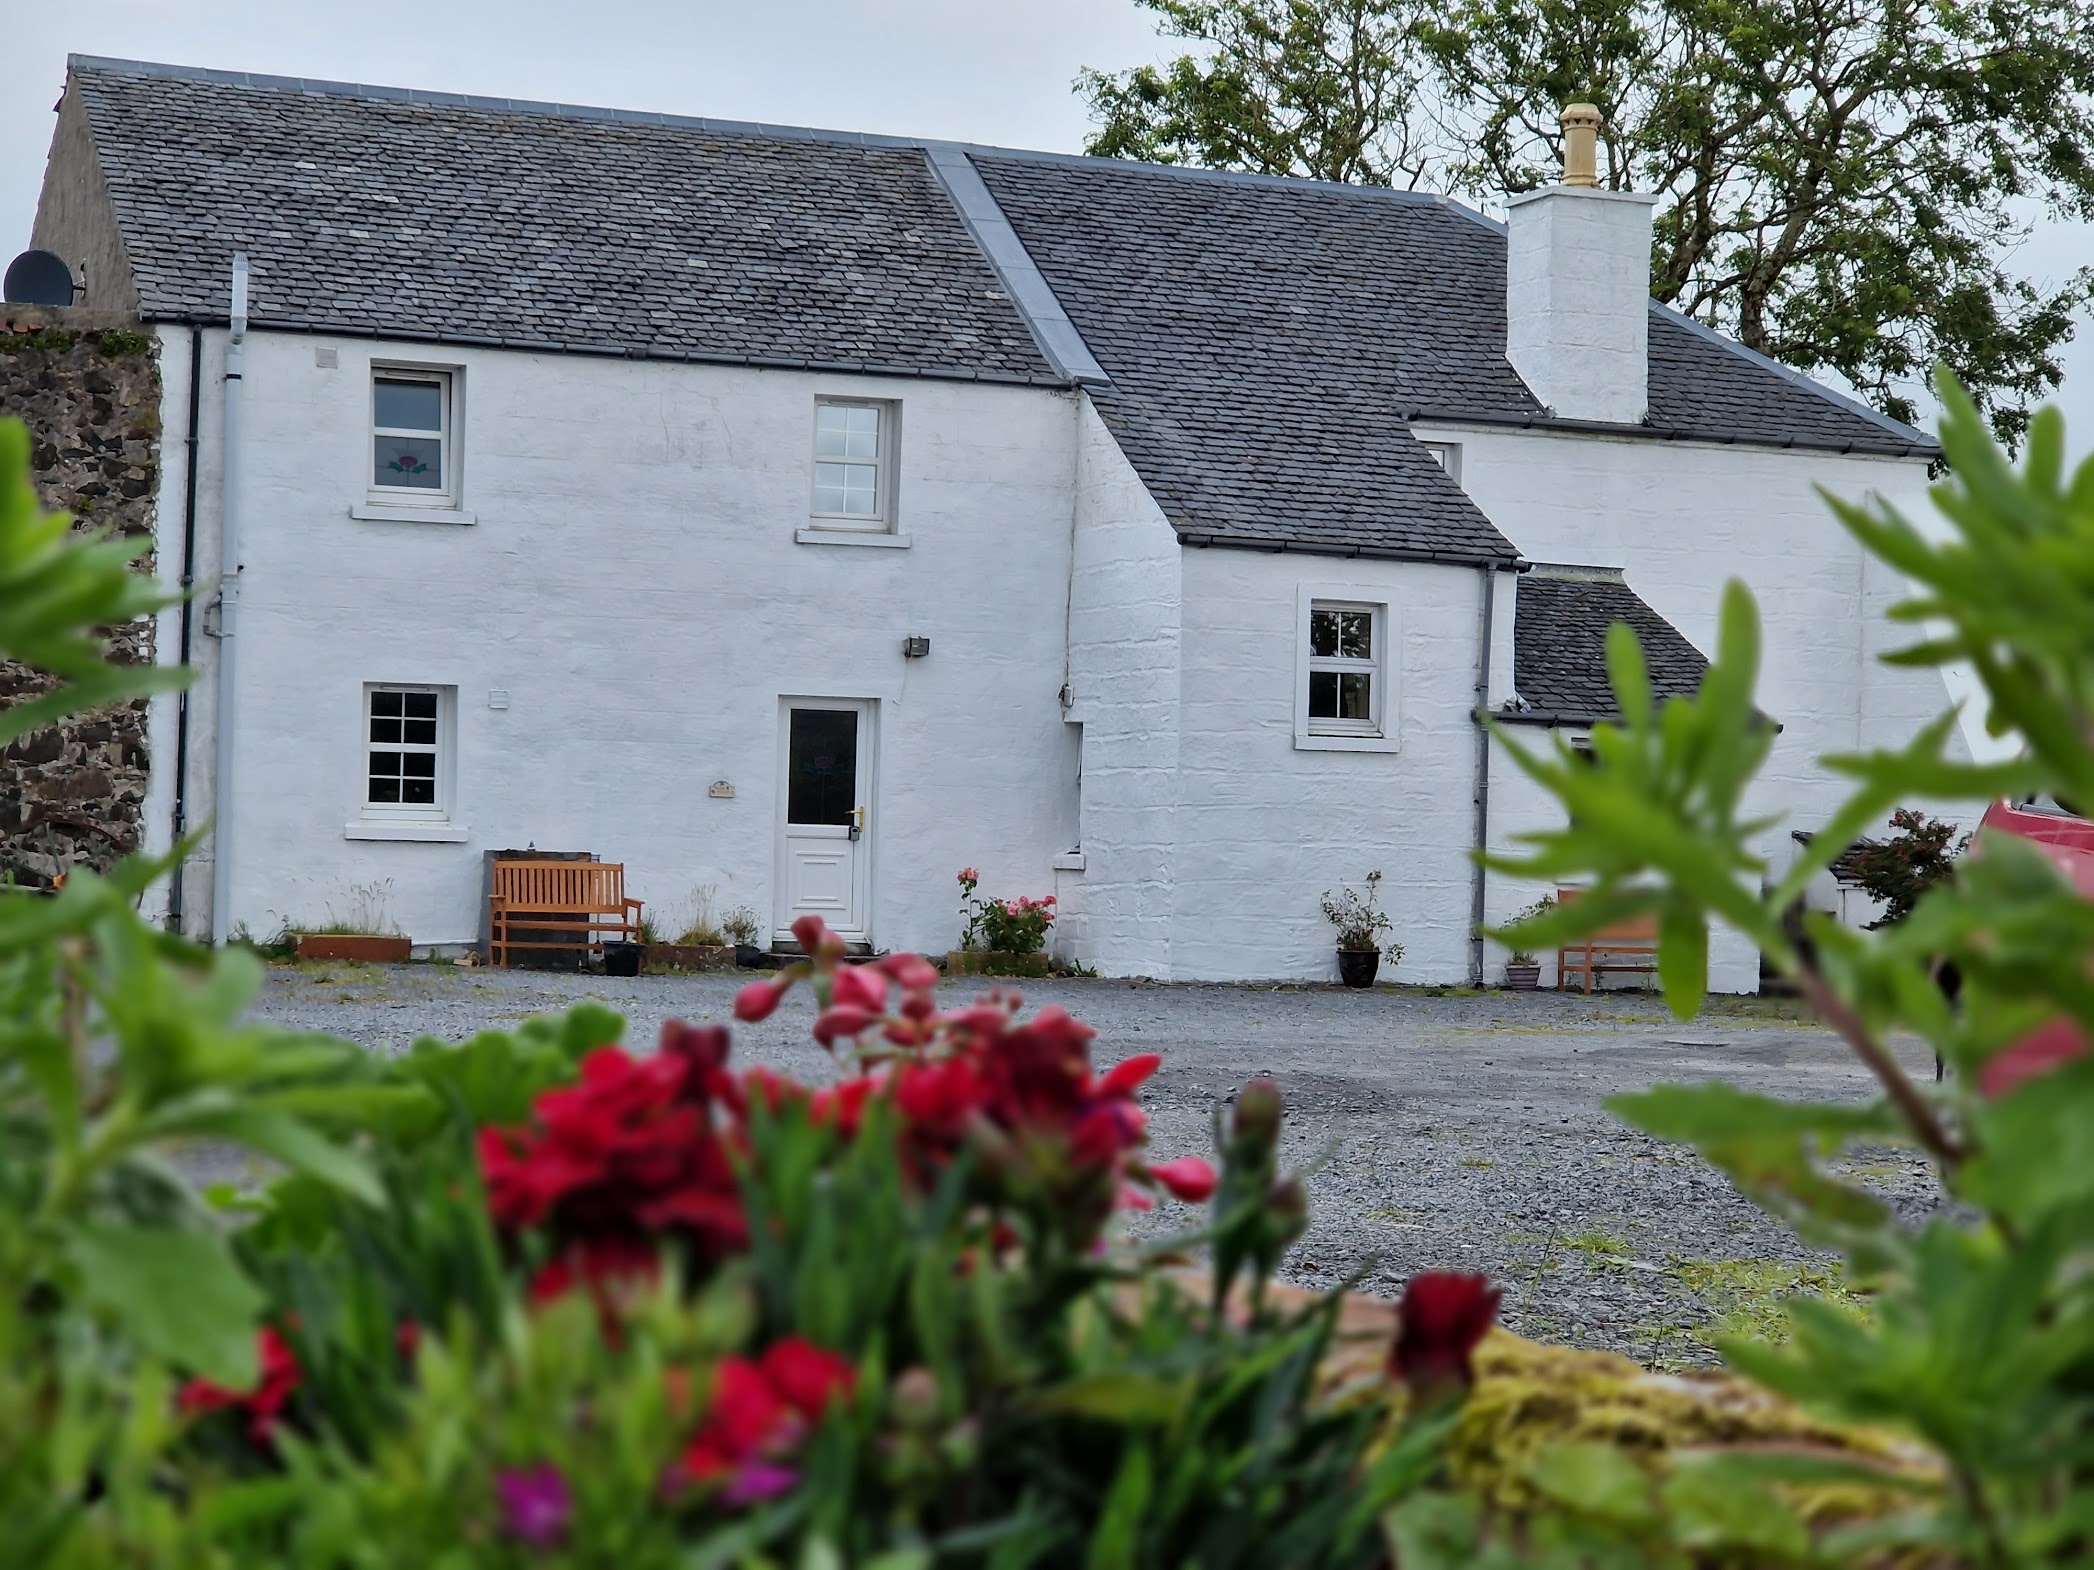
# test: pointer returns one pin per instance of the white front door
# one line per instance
(825, 800)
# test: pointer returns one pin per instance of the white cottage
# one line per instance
(810, 514)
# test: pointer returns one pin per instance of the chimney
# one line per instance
(1577, 287)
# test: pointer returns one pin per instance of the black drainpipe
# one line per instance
(1488, 577)
(181, 765)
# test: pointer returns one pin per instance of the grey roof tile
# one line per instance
(1559, 644)
(367, 212)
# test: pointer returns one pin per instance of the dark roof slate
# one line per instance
(1559, 645)
(466, 221)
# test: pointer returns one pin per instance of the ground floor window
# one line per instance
(406, 750)
(1345, 675)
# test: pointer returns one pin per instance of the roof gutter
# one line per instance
(228, 608)
(1652, 433)
(1507, 563)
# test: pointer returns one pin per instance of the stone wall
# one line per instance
(88, 386)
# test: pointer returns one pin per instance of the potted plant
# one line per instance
(1360, 923)
(366, 935)
(1000, 937)
(1522, 966)
(739, 927)
(703, 942)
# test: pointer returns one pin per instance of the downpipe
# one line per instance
(1488, 578)
(180, 824)
(228, 609)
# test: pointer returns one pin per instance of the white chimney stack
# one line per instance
(1577, 287)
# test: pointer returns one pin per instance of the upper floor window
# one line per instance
(414, 450)
(854, 447)
(1448, 456)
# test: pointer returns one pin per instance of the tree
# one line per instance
(1900, 869)
(1842, 183)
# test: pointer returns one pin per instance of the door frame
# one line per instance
(867, 710)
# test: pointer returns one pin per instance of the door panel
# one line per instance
(824, 855)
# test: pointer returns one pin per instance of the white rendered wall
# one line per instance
(1577, 300)
(634, 586)
(1126, 601)
(1265, 827)
(1682, 519)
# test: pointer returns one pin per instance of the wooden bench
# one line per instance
(1628, 947)
(582, 897)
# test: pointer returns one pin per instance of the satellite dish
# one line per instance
(39, 278)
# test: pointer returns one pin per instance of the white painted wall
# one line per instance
(1266, 827)
(1682, 519)
(1126, 608)
(1577, 299)
(633, 584)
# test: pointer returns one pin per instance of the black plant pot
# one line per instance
(623, 959)
(1356, 967)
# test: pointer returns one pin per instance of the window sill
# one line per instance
(373, 512)
(1068, 861)
(405, 829)
(1313, 741)
(874, 537)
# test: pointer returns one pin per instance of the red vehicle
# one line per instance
(2068, 840)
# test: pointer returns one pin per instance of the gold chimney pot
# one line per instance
(1581, 130)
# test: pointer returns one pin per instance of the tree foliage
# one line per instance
(1898, 870)
(1842, 183)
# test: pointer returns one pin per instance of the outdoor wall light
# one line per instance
(915, 648)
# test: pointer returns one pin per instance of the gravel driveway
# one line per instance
(1453, 1129)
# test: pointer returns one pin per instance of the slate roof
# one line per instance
(1559, 645)
(480, 223)
(1267, 341)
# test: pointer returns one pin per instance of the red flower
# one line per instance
(262, 1405)
(1189, 1179)
(859, 986)
(1443, 1316)
(911, 972)
(758, 1415)
(843, 1020)
(756, 1001)
(817, 941)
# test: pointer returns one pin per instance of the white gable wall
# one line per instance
(1682, 519)
(634, 586)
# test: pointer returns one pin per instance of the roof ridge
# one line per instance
(434, 98)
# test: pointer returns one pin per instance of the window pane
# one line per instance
(418, 705)
(418, 793)
(831, 432)
(1354, 696)
(1323, 632)
(385, 785)
(1356, 634)
(863, 426)
(408, 406)
(1323, 695)
(420, 733)
(849, 489)
(821, 766)
(418, 765)
(383, 729)
(415, 461)
(386, 702)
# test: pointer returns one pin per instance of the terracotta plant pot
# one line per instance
(1356, 967)
(1522, 977)
(690, 956)
(364, 947)
(996, 962)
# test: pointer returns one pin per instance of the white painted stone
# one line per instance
(1577, 300)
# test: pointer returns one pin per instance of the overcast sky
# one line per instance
(995, 71)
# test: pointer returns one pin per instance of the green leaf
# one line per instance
(1114, 1543)
(178, 1294)
(1597, 1479)
(1683, 958)
(280, 1135)
(1117, 1397)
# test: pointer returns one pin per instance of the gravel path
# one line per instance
(1457, 1130)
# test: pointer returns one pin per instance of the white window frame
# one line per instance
(1447, 455)
(885, 468)
(408, 820)
(1381, 732)
(443, 498)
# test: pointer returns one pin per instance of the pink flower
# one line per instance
(969, 875)
(536, 1504)
(1128, 1075)
(911, 972)
(2052, 1046)
(1189, 1179)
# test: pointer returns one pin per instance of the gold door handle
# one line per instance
(857, 821)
